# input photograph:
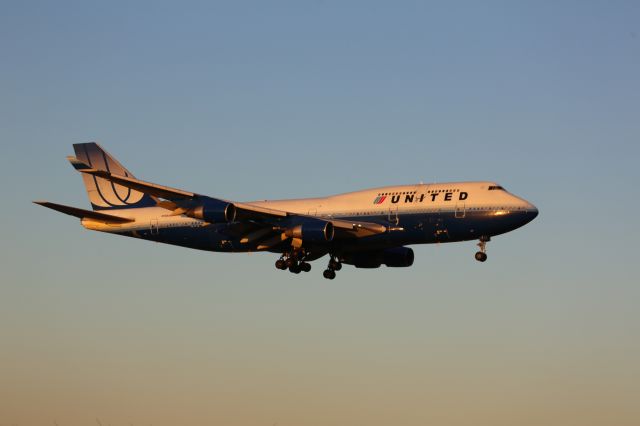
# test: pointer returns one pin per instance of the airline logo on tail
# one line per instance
(104, 194)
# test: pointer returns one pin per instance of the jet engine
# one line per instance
(398, 257)
(213, 211)
(312, 230)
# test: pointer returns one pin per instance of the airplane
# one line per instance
(366, 229)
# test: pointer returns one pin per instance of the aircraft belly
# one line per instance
(416, 228)
(480, 223)
(209, 238)
(440, 227)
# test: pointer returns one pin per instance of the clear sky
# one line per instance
(251, 100)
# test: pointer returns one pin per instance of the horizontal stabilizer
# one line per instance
(77, 164)
(82, 214)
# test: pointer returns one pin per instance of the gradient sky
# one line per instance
(250, 100)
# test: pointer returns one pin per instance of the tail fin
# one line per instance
(102, 193)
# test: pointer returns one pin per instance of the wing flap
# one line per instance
(359, 229)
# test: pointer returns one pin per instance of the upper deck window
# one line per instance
(496, 187)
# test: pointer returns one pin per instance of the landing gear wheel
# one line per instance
(481, 256)
(329, 274)
(306, 267)
(281, 264)
(296, 269)
(335, 265)
(290, 262)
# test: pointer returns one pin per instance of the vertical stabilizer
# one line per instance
(102, 193)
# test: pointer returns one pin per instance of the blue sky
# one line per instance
(251, 100)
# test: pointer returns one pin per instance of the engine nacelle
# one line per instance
(214, 211)
(312, 231)
(369, 259)
(397, 257)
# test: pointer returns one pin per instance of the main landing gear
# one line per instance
(294, 262)
(334, 265)
(481, 255)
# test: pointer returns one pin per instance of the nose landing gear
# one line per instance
(481, 255)
(329, 274)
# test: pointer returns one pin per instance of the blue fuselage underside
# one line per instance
(409, 228)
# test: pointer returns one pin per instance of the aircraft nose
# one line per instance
(532, 211)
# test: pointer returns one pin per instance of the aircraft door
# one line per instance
(393, 215)
(460, 211)
(154, 227)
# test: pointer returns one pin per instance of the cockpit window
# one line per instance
(496, 187)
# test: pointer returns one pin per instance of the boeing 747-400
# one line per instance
(366, 229)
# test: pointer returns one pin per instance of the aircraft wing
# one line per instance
(258, 217)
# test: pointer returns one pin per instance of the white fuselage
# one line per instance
(389, 201)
